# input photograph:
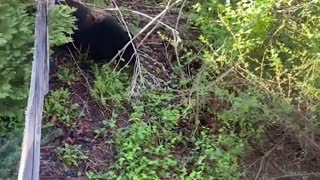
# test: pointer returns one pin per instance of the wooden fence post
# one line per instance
(39, 87)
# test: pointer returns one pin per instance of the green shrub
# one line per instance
(275, 52)
(61, 24)
(16, 45)
(16, 42)
(262, 59)
(265, 41)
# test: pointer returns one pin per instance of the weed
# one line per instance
(143, 152)
(71, 155)
(58, 104)
(107, 125)
(110, 86)
(68, 75)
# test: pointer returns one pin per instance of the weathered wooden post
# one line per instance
(39, 87)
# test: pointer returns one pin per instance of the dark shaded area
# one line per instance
(99, 35)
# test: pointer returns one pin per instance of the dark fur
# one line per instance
(101, 38)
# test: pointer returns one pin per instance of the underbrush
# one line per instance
(170, 139)
(252, 90)
(266, 54)
(162, 143)
(258, 72)
(110, 86)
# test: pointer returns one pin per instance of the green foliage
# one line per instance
(107, 125)
(58, 104)
(92, 175)
(216, 156)
(110, 85)
(10, 151)
(71, 155)
(265, 40)
(149, 147)
(275, 51)
(261, 60)
(8, 123)
(16, 44)
(68, 75)
(16, 39)
(61, 24)
(145, 148)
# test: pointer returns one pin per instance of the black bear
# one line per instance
(99, 34)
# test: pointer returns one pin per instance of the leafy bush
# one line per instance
(264, 41)
(261, 58)
(61, 24)
(275, 52)
(16, 44)
(16, 39)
